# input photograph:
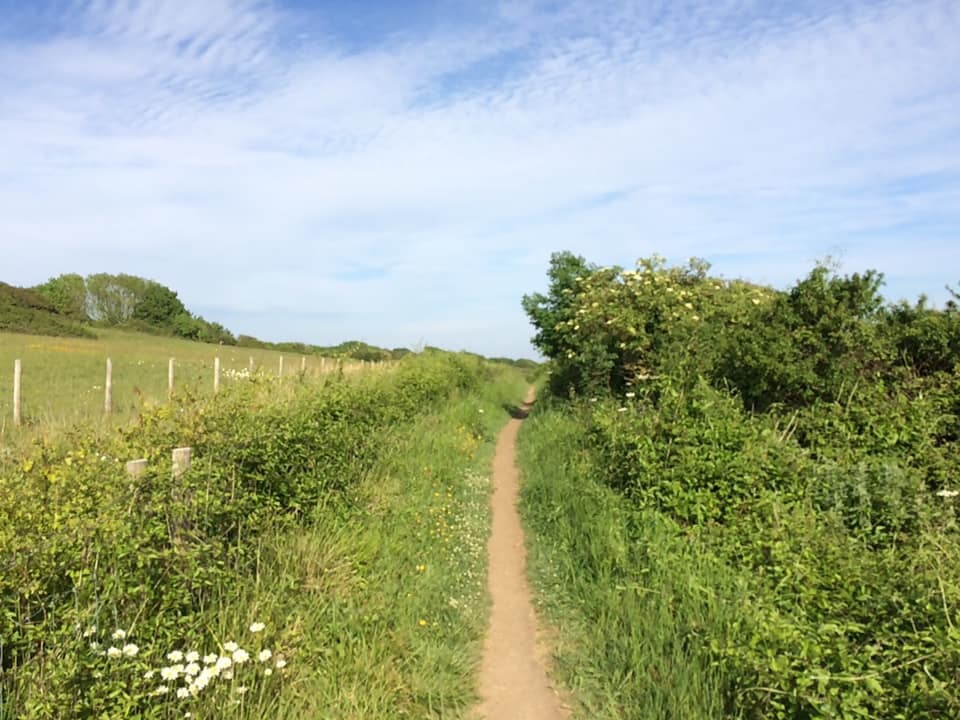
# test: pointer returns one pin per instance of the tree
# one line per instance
(68, 295)
(546, 312)
(158, 306)
(112, 299)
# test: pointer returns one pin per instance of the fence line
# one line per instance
(338, 365)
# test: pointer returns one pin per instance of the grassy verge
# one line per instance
(348, 519)
(633, 602)
(383, 596)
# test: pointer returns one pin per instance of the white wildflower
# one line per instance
(148, 675)
(948, 493)
(257, 627)
(223, 662)
(175, 656)
(227, 675)
(631, 394)
(203, 679)
(183, 693)
(240, 656)
(209, 659)
(92, 630)
(114, 652)
(192, 656)
(161, 690)
(130, 650)
(264, 655)
(268, 672)
(119, 634)
(623, 409)
(280, 664)
(230, 646)
(191, 669)
(242, 690)
(168, 673)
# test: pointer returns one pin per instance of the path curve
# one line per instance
(513, 679)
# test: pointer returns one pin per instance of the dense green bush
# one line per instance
(84, 545)
(806, 438)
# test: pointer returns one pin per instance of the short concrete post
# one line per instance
(280, 371)
(17, 377)
(170, 363)
(136, 468)
(303, 364)
(216, 375)
(108, 389)
(181, 462)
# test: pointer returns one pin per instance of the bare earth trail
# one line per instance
(513, 679)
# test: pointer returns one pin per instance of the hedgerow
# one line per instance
(83, 545)
(806, 438)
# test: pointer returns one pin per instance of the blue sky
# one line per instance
(399, 172)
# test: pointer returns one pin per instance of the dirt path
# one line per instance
(513, 681)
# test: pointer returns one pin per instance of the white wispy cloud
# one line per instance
(248, 156)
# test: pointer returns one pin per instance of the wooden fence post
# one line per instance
(181, 462)
(170, 363)
(280, 371)
(303, 364)
(17, 376)
(250, 365)
(108, 389)
(136, 468)
(323, 364)
(216, 375)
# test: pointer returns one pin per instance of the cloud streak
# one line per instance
(260, 161)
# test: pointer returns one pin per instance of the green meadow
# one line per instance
(63, 377)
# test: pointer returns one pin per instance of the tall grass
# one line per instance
(354, 518)
(633, 603)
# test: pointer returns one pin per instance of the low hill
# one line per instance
(26, 311)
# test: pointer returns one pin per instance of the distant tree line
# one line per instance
(67, 303)
(131, 302)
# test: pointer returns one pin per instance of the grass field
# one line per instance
(63, 378)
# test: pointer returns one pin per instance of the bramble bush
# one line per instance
(82, 545)
(806, 438)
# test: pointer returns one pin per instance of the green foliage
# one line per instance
(158, 306)
(113, 299)
(83, 545)
(807, 441)
(27, 311)
(68, 295)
